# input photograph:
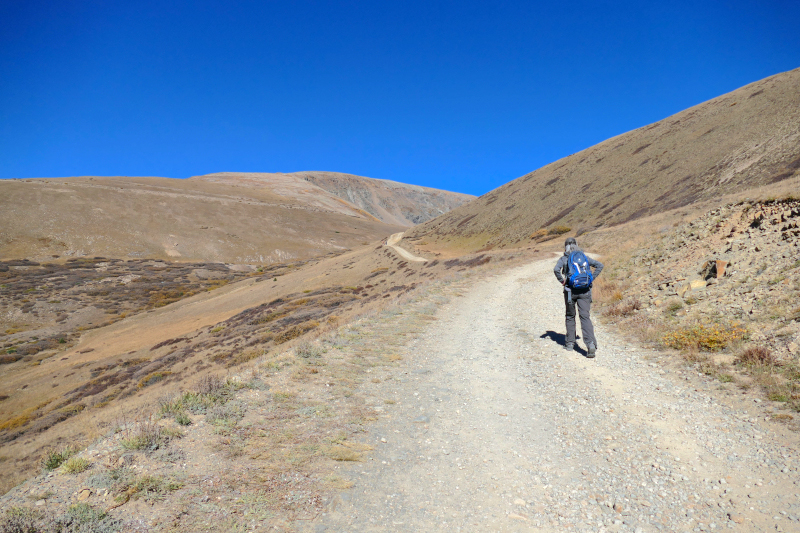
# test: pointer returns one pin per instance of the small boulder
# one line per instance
(736, 518)
(696, 284)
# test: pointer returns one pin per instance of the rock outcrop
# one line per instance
(737, 263)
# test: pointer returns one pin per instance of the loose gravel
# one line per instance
(492, 426)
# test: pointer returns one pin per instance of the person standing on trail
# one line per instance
(576, 272)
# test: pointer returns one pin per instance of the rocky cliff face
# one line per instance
(388, 201)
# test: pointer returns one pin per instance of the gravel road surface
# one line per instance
(491, 426)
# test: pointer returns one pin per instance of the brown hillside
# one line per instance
(747, 138)
(200, 219)
(389, 201)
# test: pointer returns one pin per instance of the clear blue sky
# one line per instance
(458, 95)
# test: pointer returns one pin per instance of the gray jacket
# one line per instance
(561, 268)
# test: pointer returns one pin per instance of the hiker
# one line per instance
(576, 272)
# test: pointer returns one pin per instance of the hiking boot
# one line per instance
(569, 347)
(591, 348)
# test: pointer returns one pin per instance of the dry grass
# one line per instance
(342, 453)
(606, 291)
(144, 434)
(709, 338)
(756, 355)
(286, 430)
(624, 309)
(559, 230)
(80, 517)
(76, 465)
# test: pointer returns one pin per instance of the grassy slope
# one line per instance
(747, 138)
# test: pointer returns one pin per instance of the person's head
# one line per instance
(570, 245)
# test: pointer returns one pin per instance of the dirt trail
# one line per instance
(392, 241)
(492, 426)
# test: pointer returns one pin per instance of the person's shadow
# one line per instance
(561, 339)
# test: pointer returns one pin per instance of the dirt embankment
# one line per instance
(723, 289)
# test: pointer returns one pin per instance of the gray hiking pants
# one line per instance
(583, 301)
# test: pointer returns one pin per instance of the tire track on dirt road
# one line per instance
(491, 426)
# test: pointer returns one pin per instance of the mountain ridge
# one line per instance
(225, 217)
(743, 139)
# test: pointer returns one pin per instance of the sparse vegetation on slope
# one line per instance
(701, 153)
(100, 369)
(263, 445)
(722, 289)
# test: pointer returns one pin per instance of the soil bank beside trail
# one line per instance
(491, 426)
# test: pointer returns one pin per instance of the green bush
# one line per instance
(55, 458)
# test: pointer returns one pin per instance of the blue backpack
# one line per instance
(579, 273)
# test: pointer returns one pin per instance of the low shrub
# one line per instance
(153, 488)
(756, 355)
(183, 419)
(76, 465)
(152, 378)
(559, 230)
(118, 479)
(80, 517)
(623, 309)
(55, 458)
(538, 234)
(20, 520)
(296, 331)
(145, 435)
(673, 305)
(210, 384)
(711, 338)
(308, 350)
(226, 415)
(83, 513)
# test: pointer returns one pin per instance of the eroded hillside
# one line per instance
(171, 219)
(744, 139)
(389, 201)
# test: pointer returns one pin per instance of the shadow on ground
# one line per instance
(561, 340)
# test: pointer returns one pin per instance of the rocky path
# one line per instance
(392, 241)
(492, 426)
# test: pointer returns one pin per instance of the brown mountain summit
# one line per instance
(388, 201)
(744, 139)
(228, 217)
